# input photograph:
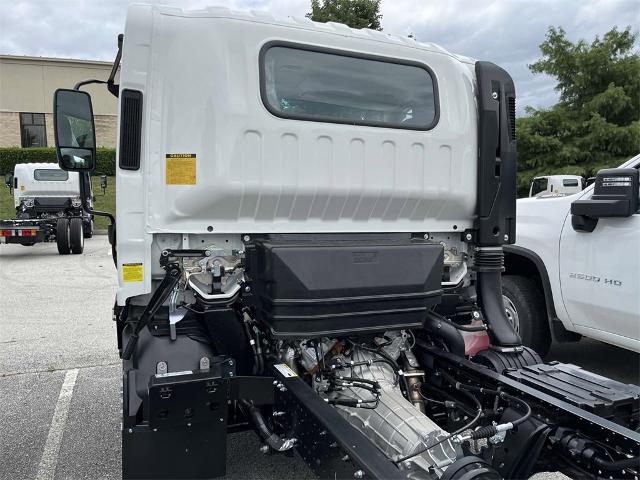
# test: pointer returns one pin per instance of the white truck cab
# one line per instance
(308, 216)
(51, 204)
(565, 278)
(45, 182)
(556, 185)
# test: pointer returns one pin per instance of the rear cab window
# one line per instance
(570, 182)
(50, 175)
(539, 185)
(308, 83)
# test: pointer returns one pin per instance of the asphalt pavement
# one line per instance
(60, 372)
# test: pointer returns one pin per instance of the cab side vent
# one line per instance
(512, 117)
(130, 129)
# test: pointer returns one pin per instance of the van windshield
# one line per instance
(50, 175)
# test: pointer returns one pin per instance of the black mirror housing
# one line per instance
(615, 194)
(74, 130)
(8, 180)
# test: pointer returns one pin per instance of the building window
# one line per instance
(303, 83)
(33, 130)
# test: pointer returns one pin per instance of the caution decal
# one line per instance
(132, 272)
(181, 169)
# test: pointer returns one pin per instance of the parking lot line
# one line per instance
(47, 468)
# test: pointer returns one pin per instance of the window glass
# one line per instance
(570, 182)
(330, 87)
(50, 175)
(539, 185)
(33, 132)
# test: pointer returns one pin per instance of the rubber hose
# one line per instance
(273, 440)
(449, 334)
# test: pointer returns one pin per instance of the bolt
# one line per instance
(506, 237)
(494, 95)
(476, 314)
(426, 236)
(130, 430)
(230, 362)
(165, 253)
(358, 474)
(207, 253)
(275, 382)
(221, 419)
(468, 237)
(247, 289)
(188, 424)
(264, 449)
(246, 238)
(345, 458)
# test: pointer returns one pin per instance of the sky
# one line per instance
(506, 32)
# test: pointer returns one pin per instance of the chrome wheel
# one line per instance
(512, 313)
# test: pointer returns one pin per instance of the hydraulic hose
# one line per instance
(489, 265)
(274, 441)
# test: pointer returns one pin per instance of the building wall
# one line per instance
(27, 85)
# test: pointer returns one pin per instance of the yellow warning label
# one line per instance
(181, 169)
(132, 272)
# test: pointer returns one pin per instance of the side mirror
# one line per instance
(8, 181)
(615, 194)
(74, 130)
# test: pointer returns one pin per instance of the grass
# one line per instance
(104, 201)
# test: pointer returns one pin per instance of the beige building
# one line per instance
(26, 98)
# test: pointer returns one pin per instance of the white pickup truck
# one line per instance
(570, 275)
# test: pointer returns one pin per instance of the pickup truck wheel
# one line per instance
(527, 312)
(76, 235)
(62, 236)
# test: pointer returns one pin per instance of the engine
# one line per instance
(371, 386)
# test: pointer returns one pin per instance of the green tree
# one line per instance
(596, 123)
(354, 13)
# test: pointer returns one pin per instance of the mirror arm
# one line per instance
(99, 213)
(110, 82)
(87, 82)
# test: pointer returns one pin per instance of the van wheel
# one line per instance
(76, 235)
(62, 236)
(527, 313)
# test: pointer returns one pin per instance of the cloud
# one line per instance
(505, 32)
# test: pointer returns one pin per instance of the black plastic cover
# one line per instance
(599, 395)
(130, 129)
(322, 285)
(496, 206)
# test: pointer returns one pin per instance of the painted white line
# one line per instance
(49, 461)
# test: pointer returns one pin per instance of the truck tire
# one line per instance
(76, 235)
(527, 312)
(62, 236)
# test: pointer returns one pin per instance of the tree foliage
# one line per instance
(354, 13)
(596, 123)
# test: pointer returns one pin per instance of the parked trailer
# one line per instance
(309, 217)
